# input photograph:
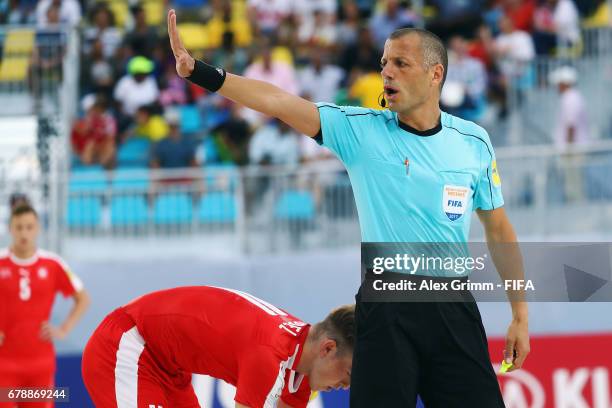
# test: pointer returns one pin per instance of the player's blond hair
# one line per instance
(339, 325)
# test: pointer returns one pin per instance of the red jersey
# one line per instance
(226, 334)
(27, 290)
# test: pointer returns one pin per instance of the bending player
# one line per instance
(144, 354)
(29, 280)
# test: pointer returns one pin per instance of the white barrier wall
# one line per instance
(306, 284)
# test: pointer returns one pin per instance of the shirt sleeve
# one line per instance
(338, 132)
(66, 282)
(261, 378)
(488, 195)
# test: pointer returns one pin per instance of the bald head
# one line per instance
(434, 51)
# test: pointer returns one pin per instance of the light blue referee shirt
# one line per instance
(412, 186)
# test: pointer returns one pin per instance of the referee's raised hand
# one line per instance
(300, 114)
(184, 62)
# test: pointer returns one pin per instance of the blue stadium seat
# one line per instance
(217, 207)
(129, 210)
(134, 152)
(191, 119)
(295, 205)
(84, 212)
(213, 173)
(211, 153)
(91, 179)
(136, 179)
(173, 208)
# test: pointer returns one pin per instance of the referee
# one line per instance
(400, 162)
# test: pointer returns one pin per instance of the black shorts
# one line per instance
(437, 350)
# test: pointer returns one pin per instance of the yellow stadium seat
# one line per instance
(280, 54)
(14, 69)
(214, 30)
(194, 36)
(154, 12)
(242, 32)
(19, 42)
(601, 18)
(239, 10)
(121, 11)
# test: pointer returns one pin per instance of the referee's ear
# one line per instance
(438, 76)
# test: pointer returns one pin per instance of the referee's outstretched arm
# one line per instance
(300, 114)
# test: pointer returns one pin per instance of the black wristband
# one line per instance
(208, 77)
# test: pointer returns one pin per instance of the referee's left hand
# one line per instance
(517, 344)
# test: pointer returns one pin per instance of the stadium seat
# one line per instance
(191, 119)
(194, 36)
(217, 208)
(173, 208)
(295, 205)
(224, 174)
(90, 179)
(14, 69)
(19, 42)
(210, 152)
(136, 179)
(154, 12)
(129, 210)
(134, 152)
(121, 11)
(84, 212)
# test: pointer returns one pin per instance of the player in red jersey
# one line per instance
(29, 280)
(144, 354)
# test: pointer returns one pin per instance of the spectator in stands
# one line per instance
(137, 88)
(174, 91)
(48, 54)
(571, 129)
(142, 37)
(349, 23)
(267, 15)
(316, 21)
(388, 19)
(13, 12)
(572, 124)
(520, 12)
(97, 72)
(150, 125)
(470, 74)
(174, 151)
(455, 17)
(93, 136)
(69, 11)
(279, 73)
(232, 138)
(321, 79)
(363, 54)
(103, 30)
(567, 24)
(230, 57)
(274, 143)
(514, 51)
(483, 48)
(544, 36)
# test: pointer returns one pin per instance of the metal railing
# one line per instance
(533, 101)
(262, 210)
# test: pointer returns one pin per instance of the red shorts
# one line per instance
(25, 378)
(120, 371)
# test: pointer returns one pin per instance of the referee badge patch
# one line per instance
(454, 201)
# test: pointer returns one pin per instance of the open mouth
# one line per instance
(390, 91)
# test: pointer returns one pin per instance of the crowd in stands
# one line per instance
(323, 50)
